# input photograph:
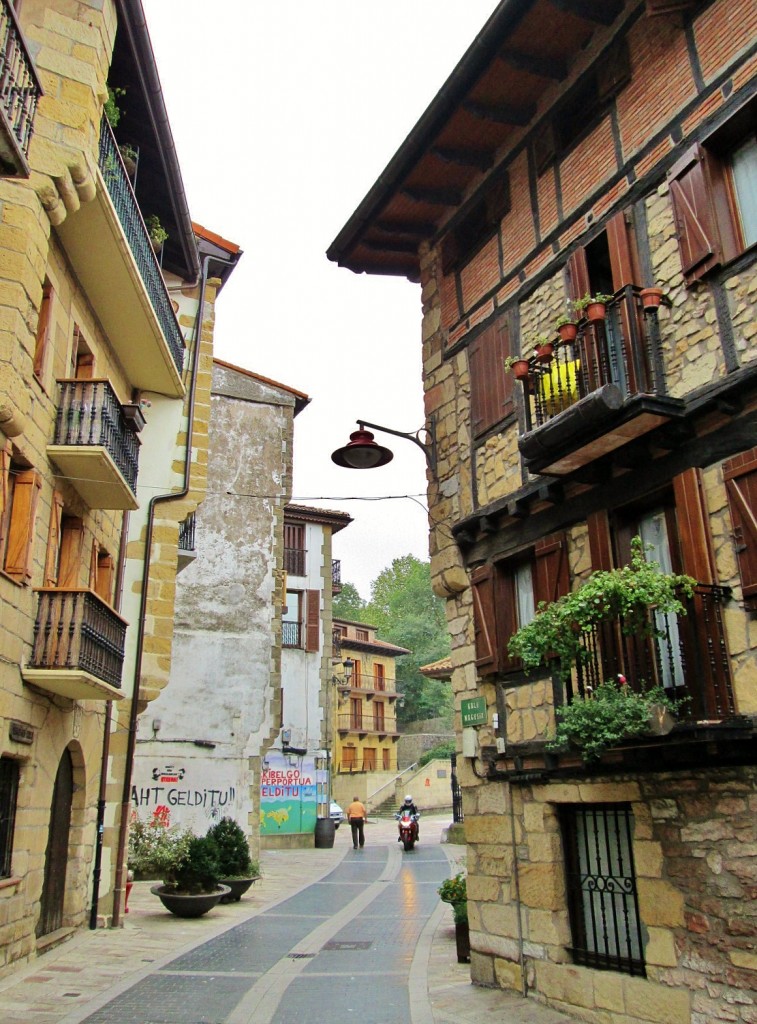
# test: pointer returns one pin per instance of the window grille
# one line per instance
(601, 887)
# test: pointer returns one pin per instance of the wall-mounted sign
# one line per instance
(21, 733)
(473, 711)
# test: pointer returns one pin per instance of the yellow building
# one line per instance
(105, 353)
(365, 711)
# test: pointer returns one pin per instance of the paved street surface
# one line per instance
(331, 936)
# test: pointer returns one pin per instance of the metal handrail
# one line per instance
(20, 88)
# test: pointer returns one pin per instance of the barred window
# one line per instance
(601, 887)
(8, 794)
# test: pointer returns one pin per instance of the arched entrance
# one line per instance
(56, 856)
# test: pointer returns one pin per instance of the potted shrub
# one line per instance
(593, 307)
(610, 714)
(111, 108)
(191, 886)
(236, 867)
(651, 297)
(455, 892)
(544, 348)
(519, 367)
(566, 327)
(155, 847)
(129, 157)
(157, 233)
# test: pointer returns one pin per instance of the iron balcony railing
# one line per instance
(687, 655)
(20, 88)
(294, 561)
(187, 533)
(366, 764)
(76, 629)
(125, 202)
(336, 644)
(291, 634)
(371, 681)
(366, 723)
(89, 414)
(623, 349)
(336, 575)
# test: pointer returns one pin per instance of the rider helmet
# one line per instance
(408, 799)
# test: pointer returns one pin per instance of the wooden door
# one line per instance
(56, 856)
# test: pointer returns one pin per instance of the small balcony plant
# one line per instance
(157, 233)
(593, 307)
(544, 348)
(111, 108)
(518, 366)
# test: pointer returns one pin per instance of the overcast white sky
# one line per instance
(284, 114)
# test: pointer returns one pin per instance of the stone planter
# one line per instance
(189, 904)
(237, 888)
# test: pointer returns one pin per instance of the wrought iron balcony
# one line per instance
(598, 392)
(187, 544)
(94, 445)
(294, 561)
(336, 576)
(125, 203)
(367, 724)
(20, 90)
(688, 657)
(78, 648)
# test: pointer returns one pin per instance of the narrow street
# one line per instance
(332, 935)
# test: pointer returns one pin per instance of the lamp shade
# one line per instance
(362, 452)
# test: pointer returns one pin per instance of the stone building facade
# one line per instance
(105, 354)
(583, 148)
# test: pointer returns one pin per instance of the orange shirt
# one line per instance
(356, 810)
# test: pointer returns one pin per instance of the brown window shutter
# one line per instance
(53, 541)
(313, 620)
(577, 271)
(622, 245)
(43, 331)
(551, 571)
(741, 486)
(104, 576)
(491, 387)
(71, 552)
(694, 213)
(5, 467)
(18, 552)
(600, 543)
(294, 536)
(485, 619)
(693, 526)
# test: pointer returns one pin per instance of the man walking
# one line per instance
(357, 817)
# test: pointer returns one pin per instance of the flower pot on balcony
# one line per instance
(568, 331)
(544, 352)
(520, 369)
(651, 297)
(135, 418)
(596, 311)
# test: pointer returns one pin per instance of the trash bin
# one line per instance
(325, 830)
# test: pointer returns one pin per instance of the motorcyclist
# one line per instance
(408, 807)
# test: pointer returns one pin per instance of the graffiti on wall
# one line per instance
(287, 795)
(176, 793)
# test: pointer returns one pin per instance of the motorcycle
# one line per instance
(407, 824)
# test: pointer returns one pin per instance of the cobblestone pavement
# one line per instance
(336, 935)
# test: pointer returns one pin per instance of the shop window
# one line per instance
(600, 883)
(8, 795)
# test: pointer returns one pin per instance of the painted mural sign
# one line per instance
(183, 794)
(287, 795)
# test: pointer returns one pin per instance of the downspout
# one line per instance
(101, 802)
(154, 502)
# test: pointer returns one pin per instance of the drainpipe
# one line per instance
(101, 803)
(154, 502)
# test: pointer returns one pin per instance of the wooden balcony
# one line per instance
(368, 684)
(95, 446)
(597, 393)
(367, 725)
(78, 649)
(20, 90)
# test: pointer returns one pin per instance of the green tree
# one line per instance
(406, 612)
(349, 604)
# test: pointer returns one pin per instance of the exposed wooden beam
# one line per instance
(544, 67)
(391, 245)
(500, 113)
(479, 158)
(405, 228)
(603, 12)
(435, 196)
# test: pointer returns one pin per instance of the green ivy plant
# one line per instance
(455, 892)
(555, 636)
(606, 716)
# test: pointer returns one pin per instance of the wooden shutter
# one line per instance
(694, 213)
(600, 543)
(577, 275)
(491, 388)
(104, 576)
(44, 324)
(551, 571)
(740, 475)
(622, 245)
(71, 552)
(313, 620)
(692, 523)
(53, 540)
(485, 619)
(5, 467)
(23, 512)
